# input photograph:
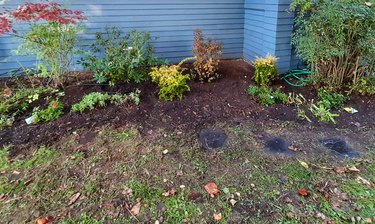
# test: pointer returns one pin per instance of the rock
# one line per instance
(213, 139)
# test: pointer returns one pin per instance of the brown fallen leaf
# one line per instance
(303, 192)
(136, 209)
(233, 202)
(340, 170)
(364, 181)
(169, 193)
(353, 169)
(218, 216)
(212, 189)
(74, 198)
(43, 220)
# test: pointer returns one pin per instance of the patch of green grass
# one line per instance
(83, 219)
(298, 176)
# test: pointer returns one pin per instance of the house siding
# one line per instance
(172, 22)
(268, 29)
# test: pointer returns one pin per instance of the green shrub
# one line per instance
(53, 44)
(171, 81)
(365, 86)
(265, 70)
(336, 38)
(207, 53)
(92, 100)
(52, 112)
(267, 96)
(6, 121)
(126, 58)
(331, 100)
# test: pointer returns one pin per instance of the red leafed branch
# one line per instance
(34, 12)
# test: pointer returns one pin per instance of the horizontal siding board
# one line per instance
(172, 22)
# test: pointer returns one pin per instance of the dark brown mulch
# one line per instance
(225, 100)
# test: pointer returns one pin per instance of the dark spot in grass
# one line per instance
(278, 146)
(340, 147)
(213, 139)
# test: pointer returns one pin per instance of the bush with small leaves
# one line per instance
(330, 99)
(207, 53)
(171, 81)
(265, 70)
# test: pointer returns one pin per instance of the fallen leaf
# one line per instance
(194, 196)
(169, 193)
(368, 220)
(364, 181)
(179, 133)
(369, 4)
(303, 192)
(165, 152)
(136, 209)
(217, 216)
(43, 220)
(304, 164)
(353, 169)
(340, 170)
(212, 189)
(233, 202)
(74, 198)
(127, 192)
(182, 186)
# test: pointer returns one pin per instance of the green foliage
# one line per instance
(126, 58)
(171, 81)
(53, 44)
(365, 85)
(323, 113)
(336, 38)
(207, 53)
(15, 103)
(52, 112)
(267, 96)
(331, 100)
(6, 121)
(92, 100)
(265, 70)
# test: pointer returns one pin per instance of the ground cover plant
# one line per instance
(52, 112)
(171, 80)
(96, 99)
(336, 39)
(207, 53)
(266, 95)
(52, 42)
(115, 57)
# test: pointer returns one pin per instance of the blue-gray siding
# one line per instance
(171, 21)
(268, 29)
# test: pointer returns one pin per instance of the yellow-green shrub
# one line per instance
(265, 70)
(171, 81)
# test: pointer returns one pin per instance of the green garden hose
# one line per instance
(301, 77)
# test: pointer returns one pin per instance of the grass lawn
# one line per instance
(124, 175)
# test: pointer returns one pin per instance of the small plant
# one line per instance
(365, 86)
(267, 96)
(323, 113)
(302, 115)
(92, 100)
(265, 70)
(52, 112)
(6, 121)
(52, 42)
(208, 53)
(126, 58)
(330, 99)
(171, 81)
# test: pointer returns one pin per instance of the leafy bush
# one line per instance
(265, 70)
(267, 96)
(331, 100)
(208, 53)
(52, 112)
(171, 81)
(92, 100)
(52, 42)
(323, 113)
(336, 38)
(126, 58)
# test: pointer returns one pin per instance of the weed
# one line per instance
(323, 113)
